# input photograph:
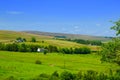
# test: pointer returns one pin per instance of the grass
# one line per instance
(10, 36)
(22, 65)
(63, 44)
(6, 36)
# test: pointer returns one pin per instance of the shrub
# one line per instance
(83, 50)
(54, 76)
(45, 51)
(90, 75)
(102, 76)
(79, 75)
(44, 76)
(65, 50)
(111, 51)
(52, 48)
(33, 39)
(66, 76)
(2, 46)
(11, 78)
(38, 62)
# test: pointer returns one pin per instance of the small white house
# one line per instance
(38, 50)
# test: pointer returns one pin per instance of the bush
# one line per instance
(54, 76)
(66, 76)
(33, 39)
(2, 46)
(102, 76)
(83, 50)
(111, 51)
(11, 78)
(23, 48)
(44, 76)
(79, 75)
(65, 50)
(90, 75)
(38, 62)
(52, 48)
(45, 51)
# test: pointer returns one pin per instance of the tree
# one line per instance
(23, 48)
(66, 76)
(33, 39)
(116, 27)
(24, 40)
(45, 51)
(111, 50)
(19, 39)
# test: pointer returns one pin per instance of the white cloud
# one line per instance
(76, 27)
(98, 24)
(14, 12)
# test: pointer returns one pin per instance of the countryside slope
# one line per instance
(10, 36)
(70, 36)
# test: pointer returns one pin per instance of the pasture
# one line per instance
(23, 66)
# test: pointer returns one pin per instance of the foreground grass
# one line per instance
(22, 65)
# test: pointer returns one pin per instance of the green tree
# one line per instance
(45, 51)
(116, 27)
(111, 50)
(19, 38)
(24, 40)
(66, 76)
(23, 48)
(33, 39)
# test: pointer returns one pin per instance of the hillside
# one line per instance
(12, 35)
(70, 36)
(8, 36)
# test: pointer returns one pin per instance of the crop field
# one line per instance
(23, 65)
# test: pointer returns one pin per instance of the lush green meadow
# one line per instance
(23, 66)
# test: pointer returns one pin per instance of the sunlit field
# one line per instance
(23, 65)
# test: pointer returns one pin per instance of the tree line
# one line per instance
(22, 47)
(87, 42)
(20, 39)
(88, 75)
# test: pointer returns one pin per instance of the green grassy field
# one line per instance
(22, 65)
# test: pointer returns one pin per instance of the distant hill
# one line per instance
(70, 36)
(12, 35)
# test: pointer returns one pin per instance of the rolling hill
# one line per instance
(70, 36)
(10, 36)
(22, 66)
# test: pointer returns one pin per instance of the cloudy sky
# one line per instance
(91, 17)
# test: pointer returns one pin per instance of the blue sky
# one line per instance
(89, 17)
